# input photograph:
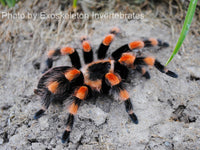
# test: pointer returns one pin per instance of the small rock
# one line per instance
(76, 136)
(1, 141)
(44, 123)
(38, 146)
(88, 147)
(94, 113)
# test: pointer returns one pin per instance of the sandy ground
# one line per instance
(168, 109)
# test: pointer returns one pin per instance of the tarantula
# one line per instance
(101, 76)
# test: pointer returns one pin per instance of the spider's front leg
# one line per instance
(80, 94)
(103, 48)
(113, 81)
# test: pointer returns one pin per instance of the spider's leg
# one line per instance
(103, 48)
(138, 45)
(113, 80)
(131, 61)
(129, 110)
(53, 54)
(69, 125)
(80, 94)
(87, 50)
(150, 61)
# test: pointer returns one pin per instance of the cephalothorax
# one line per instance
(101, 76)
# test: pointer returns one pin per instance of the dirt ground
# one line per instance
(168, 109)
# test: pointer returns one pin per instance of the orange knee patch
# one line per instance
(108, 39)
(154, 42)
(73, 108)
(123, 94)
(136, 44)
(149, 61)
(52, 87)
(82, 92)
(67, 50)
(50, 53)
(72, 74)
(112, 79)
(127, 59)
(86, 46)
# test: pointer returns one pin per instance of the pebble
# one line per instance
(1, 141)
(38, 146)
(44, 123)
(94, 113)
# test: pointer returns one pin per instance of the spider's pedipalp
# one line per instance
(54, 54)
(103, 48)
(87, 50)
(139, 44)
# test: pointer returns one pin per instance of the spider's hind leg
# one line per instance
(150, 61)
(46, 97)
(131, 61)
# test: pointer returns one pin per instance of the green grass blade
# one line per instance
(11, 3)
(75, 4)
(3, 2)
(186, 26)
